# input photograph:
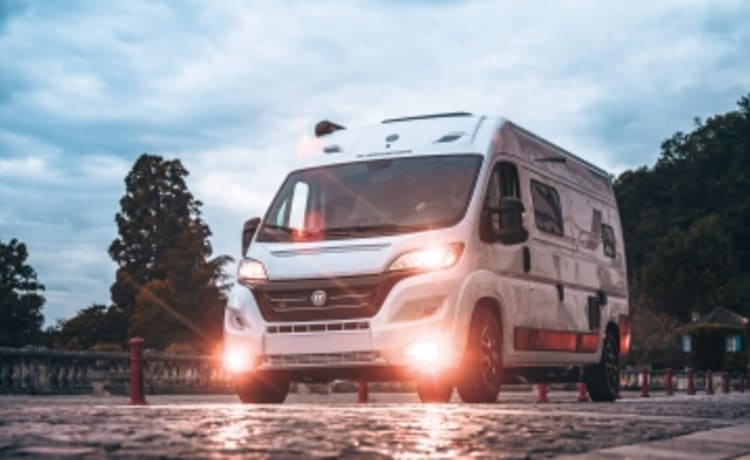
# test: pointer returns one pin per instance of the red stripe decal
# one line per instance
(526, 338)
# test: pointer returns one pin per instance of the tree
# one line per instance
(92, 326)
(691, 271)
(20, 297)
(685, 220)
(166, 284)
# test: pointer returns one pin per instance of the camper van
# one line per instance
(455, 250)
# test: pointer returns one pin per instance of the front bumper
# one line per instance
(418, 309)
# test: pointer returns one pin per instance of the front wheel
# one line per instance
(262, 387)
(482, 366)
(603, 379)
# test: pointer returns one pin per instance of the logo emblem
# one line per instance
(318, 297)
(392, 138)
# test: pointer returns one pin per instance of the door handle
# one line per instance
(526, 259)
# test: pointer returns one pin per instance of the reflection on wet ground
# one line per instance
(393, 425)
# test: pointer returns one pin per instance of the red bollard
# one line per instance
(709, 383)
(363, 393)
(582, 392)
(644, 384)
(742, 383)
(725, 382)
(542, 387)
(691, 382)
(668, 383)
(136, 371)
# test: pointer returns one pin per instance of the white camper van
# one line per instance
(457, 250)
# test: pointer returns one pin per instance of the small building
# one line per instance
(717, 340)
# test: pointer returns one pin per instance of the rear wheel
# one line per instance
(262, 387)
(603, 379)
(481, 370)
(434, 389)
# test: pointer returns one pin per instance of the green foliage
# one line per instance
(736, 362)
(686, 220)
(20, 297)
(94, 325)
(166, 285)
(180, 348)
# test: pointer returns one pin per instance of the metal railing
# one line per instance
(43, 371)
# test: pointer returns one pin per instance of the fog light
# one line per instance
(237, 360)
(423, 352)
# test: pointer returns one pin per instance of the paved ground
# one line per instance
(393, 425)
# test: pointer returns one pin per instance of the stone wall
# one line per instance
(43, 371)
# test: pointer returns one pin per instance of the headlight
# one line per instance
(251, 271)
(431, 258)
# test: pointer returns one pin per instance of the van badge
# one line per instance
(318, 297)
(392, 138)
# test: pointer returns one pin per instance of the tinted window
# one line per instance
(547, 209)
(504, 183)
(608, 241)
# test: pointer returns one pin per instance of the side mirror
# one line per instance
(505, 222)
(248, 230)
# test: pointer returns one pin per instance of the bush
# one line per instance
(181, 348)
(106, 346)
(736, 362)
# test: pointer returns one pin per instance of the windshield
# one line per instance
(356, 200)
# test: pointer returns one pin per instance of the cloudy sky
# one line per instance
(234, 88)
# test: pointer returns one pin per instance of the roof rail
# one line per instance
(590, 166)
(428, 116)
(324, 127)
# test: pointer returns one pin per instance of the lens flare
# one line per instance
(237, 360)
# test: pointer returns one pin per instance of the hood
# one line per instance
(325, 259)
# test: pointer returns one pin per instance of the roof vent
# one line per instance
(429, 116)
(333, 148)
(324, 127)
(450, 137)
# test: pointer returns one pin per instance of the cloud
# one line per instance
(234, 88)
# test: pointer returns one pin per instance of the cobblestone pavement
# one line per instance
(392, 425)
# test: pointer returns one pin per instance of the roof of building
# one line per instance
(722, 316)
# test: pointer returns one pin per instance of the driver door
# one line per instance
(509, 262)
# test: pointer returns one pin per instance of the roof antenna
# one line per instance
(324, 127)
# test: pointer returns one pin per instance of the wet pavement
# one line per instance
(334, 426)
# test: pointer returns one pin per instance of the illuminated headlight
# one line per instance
(431, 258)
(251, 271)
(237, 360)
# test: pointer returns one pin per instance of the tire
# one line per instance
(603, 379)
(434, 389)
(262, 388)
(481, 370)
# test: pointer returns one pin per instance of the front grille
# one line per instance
(304, 328)
(317, 359)
(347, 297)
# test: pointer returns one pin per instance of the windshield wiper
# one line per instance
(378, 228)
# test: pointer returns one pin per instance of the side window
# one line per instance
(504, 183)
(608, 241)
(547, 209)
(509, 185)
